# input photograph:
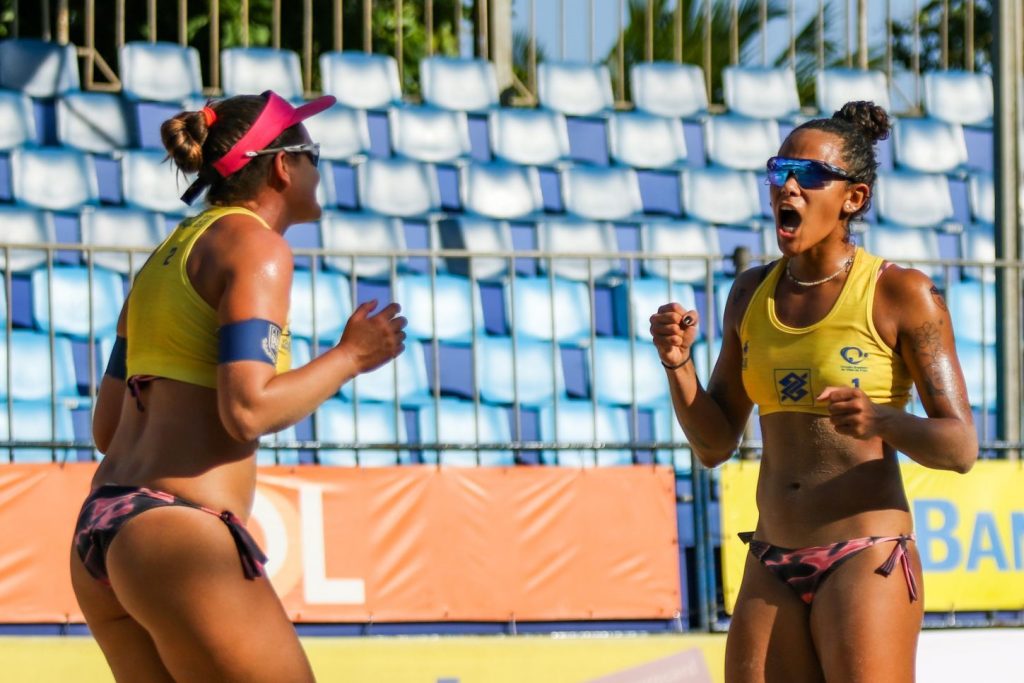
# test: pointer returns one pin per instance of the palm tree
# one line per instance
(930, 27)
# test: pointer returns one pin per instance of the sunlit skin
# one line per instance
(826, 479)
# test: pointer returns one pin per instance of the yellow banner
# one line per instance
(970, 533)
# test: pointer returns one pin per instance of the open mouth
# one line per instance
(789, 219)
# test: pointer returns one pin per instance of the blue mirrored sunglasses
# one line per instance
(810, 174)
(310, 149)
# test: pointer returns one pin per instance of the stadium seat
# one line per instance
(350, 234)
(532, 137)
(53, 178)
(93, 122)
(724, 196)
(648, 294)
(535, 365)
(71, 300)
(741, 142)
(669, 89)
(476, 234)
(302, 351)
(679, 237)
(360, 80)
(905, 246)
(252, 70)
(17, 120)
(929, 145)
(461, 422)
(501, 191)
(972, 306)
(963, 97)
(531, 314)
(38, 68)
(458, 307)
(643, 140)
(429, 134)
(30, 367)
(398, 187)
(379, 385)
(612, 374)
(134, 229)
(837, 86)
(343, 133)
(761, 92)
(333, 304)
(326, 192)
(459, 84)
(278, 456)
(22, 225)
(916, 200)
(602, 193)
(573, 236)
(160, 72)
(979, 365)
(151, 181)
(981, 197)
(37, 421)
(575, 88)
(665, 428)
(364, 423)
(575, 421)
(979, 244)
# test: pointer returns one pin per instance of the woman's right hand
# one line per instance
(373, 340)
(674, 330)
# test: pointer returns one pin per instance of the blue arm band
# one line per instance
(117, 366)
(252, 339)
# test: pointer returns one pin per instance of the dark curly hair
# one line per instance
(859, 125)
(194, 146)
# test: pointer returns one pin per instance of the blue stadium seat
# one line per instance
(376, 423)
(963, 97)
(333, 304)
(978, 363)
(574, 421)
(979, 244)
(915, 200)
(981, 197)
(905, 246)
(93, 122)
(669, 89)
(972, 306)
(398, 187)
(160, 72)
(151, 181)
(459, 84)
(36, 421)
(929, 145)
(135, 229)
(644, 140)
(602, 193)
(532, 137)
(740, 142)
(613, 373)
(837, 86)
(724, 196)
(38, 68)
(53, 178)
(761, 92)
(351, 234)
(71, 300)
(251, 70)
(575, 88)
(278, 456)
(343, 133)
(574, 236)
(679, 237)
(531, 311)
(458, 311)
(302, 351)
(429, 134)
(22, 225)
(537, 371)
(30, 367)
(665, 428)
(360, 80)
(481, 235)
(501, 191)
(17, 120)
(648, 294)
(379, 385)
(458, 422)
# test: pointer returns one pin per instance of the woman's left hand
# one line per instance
(852, 413)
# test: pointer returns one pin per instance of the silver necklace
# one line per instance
(814, 283)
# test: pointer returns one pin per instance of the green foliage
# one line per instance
(930, 27)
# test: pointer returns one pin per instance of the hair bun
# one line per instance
(183, 137)
(871, 119)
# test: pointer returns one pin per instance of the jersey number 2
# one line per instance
(174, 249)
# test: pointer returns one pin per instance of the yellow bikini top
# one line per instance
(785, 368)
(172, 331)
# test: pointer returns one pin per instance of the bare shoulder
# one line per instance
(904, 288)
(242, 242)
(744, 286)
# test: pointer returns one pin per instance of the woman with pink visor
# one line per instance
(200, 370)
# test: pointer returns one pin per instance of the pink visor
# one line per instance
(277, 116)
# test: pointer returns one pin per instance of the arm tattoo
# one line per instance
(934, 363)
(937, 295)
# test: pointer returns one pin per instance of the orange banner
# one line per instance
(400, 544)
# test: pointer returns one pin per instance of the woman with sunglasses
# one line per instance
(200, 370)
(826, 341)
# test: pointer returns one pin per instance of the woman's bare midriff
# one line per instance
(177, 444)
(818, 487)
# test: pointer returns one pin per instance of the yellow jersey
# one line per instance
(784, 368)
(172, 331)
